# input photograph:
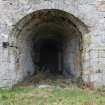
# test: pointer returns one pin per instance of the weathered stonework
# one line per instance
(87, 15)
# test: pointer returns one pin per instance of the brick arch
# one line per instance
(37, 20)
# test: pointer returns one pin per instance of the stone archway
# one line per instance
(49, 39)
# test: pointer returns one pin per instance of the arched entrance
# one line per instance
(48, 40)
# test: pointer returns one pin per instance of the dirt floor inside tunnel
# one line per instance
(46, 79)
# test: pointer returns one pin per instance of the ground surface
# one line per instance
(50, 96)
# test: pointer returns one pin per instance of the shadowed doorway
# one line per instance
(49, 42)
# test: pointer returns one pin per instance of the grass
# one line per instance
(50, 96)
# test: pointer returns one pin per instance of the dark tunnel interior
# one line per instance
(48, 57)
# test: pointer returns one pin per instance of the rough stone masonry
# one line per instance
(73, 29)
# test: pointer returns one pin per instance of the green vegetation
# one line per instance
(50, 96)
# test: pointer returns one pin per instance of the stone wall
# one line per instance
(90, 12)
